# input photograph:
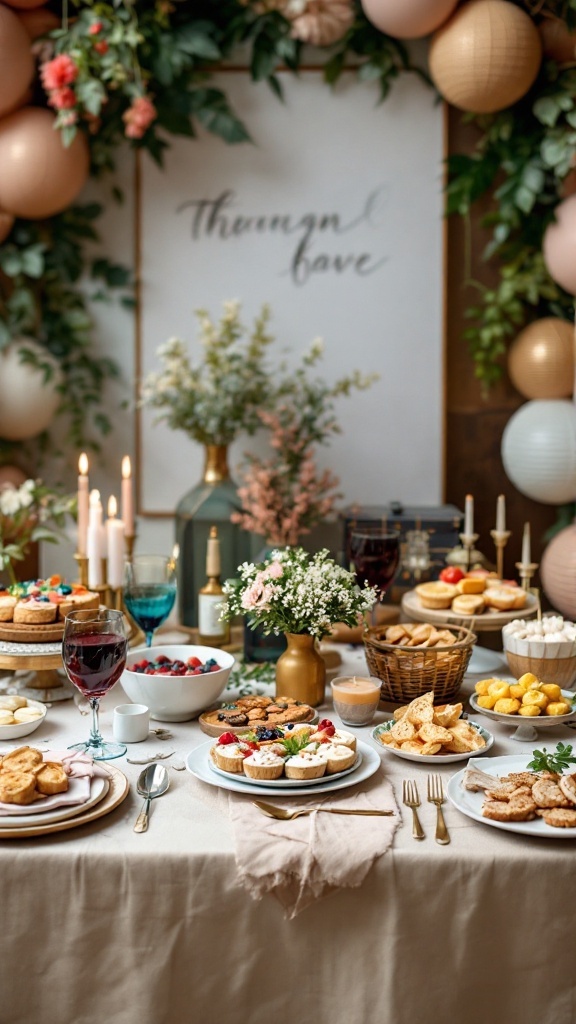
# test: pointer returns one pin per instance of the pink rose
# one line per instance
(275, 571)
(139, 117)
(58, 72)
(62, 99)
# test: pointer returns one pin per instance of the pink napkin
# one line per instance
(307, 858)
(80, 769)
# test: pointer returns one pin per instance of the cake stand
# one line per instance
(43, 677)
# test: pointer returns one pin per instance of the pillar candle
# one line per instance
(115, 535)
(501, 514)
(94, 540)
(83, 503)
(469, 516)
(526, 552)
(127, 498)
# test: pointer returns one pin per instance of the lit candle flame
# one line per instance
(83, 464)
(112, 507)
(126, 467)
(94, 497)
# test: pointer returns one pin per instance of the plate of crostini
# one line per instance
(199, 763)
(381, 733)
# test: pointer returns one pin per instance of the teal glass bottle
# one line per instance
(210, 503)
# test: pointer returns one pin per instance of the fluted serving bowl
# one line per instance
(549, 661)
(176, 698)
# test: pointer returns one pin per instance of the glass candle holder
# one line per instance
(356, 698)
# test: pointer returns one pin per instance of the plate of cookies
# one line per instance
(421, 731)
(252, 712)
(489, 601)
(20, 716)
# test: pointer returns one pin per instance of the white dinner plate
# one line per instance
(199, 763)
(432, 758)
(470, 804)
(526, 728)
(98, 790)
(284, 783)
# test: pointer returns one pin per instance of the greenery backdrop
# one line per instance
(143, 70)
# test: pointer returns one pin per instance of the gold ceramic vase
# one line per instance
(300, 671)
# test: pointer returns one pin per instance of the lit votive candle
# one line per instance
(355, 699)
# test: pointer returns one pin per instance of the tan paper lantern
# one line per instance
(541, 359)
(16, 61)
(486, 56)
(28, 402)
(38, 22)
(39, 176)
(6, 225)
(558, 572)
(557, 41)
(559, 245)
(408, 19)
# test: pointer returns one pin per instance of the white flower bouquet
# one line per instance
(29, 513)
(294, 592)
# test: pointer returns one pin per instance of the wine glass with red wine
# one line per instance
(94, 655)
(375, 555)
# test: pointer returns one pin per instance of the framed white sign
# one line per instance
(334, 216)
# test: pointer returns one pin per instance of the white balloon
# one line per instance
(28, 402)
(539, 450)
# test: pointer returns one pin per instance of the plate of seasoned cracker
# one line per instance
(508, 794)
(428, 733)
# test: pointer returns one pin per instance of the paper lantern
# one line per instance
(28, 401)
(486, 56)
(539, 451)
(38, 22)
(408, 19)
(557, 41)
(16, 61)
(558, 572)
(541, 359)
(6, 225)
(39, 176)
(559, 245)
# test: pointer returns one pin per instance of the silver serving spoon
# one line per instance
(153, 782)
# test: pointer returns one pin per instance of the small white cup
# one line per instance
(131, 723)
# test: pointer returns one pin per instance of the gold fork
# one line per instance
(411, 799)
(436, 796)
(278, 812)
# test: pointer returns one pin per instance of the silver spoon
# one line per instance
(153, 782)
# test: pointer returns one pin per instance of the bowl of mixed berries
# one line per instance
(176, 681)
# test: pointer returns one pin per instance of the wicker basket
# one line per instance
(408, 672)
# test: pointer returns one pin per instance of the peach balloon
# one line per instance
(6, 225)
(12, 475)
(408, 19)
(541, 359)
(38, 22)
(559, 245)
(557, 41)
(558, 572)
(39, 175)
(16, 61)
(25, 5)
(486, 56)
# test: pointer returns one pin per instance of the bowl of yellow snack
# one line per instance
(546, 648)
(529, 703)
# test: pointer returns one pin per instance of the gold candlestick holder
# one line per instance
(500, 538)
(82, 562)
(130, 540)
(468, 541)
(526, 570)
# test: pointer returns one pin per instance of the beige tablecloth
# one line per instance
(102, 924)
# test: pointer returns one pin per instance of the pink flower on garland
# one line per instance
(139, 117)
(57, 73)
(62, 99)
(95, 28)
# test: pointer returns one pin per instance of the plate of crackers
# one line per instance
(504, 793)
(421, 731)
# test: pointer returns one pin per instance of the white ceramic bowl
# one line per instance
(551, 660)
(16, 732)
(176, 698)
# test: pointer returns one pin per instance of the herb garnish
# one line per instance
(557, 761)
(294, 744)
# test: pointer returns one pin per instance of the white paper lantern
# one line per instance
(28, 402)
(539, 451)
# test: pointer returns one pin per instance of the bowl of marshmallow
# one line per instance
(545, 647)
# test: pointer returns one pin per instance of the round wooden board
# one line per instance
(484, 623)
(24, 633)
(118, 791)
(216, 729)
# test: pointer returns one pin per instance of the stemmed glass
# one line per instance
(375, 555)
(150, 591)
(94, 654)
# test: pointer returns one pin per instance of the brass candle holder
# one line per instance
(129, 540)
(82, 561)
(526, 570)
(468, 541)
(500, 538)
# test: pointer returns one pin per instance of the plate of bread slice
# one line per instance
(35, 790)
(421, 731)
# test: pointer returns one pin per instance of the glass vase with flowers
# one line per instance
(302, 596)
